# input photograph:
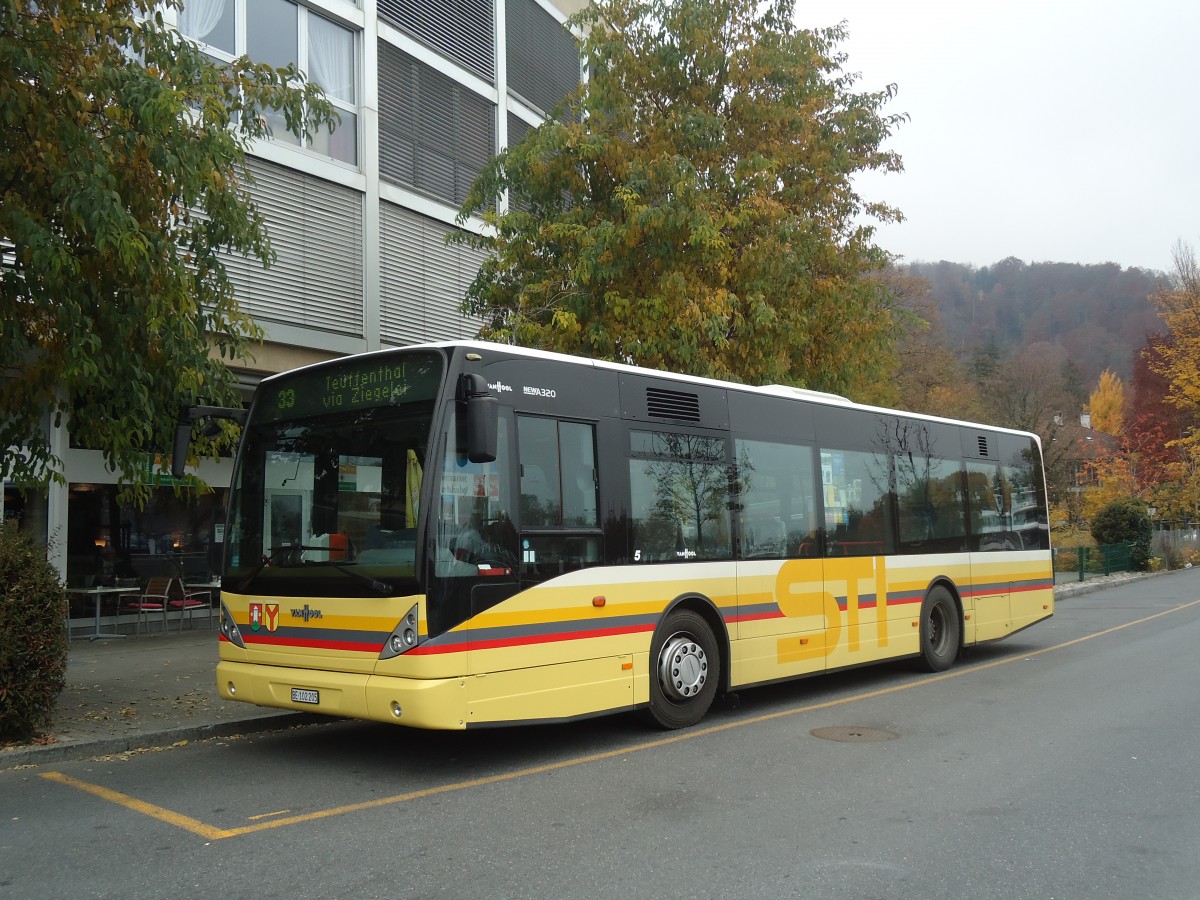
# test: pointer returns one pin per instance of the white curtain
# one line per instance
(199, 17)
(331, 58)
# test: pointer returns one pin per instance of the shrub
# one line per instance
(1126, 520)
(33, 640)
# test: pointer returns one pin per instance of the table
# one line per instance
(99, 592)
(203, 585)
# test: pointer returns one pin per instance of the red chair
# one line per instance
(151, 599)
(188, 600)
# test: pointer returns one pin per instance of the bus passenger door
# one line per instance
(559, 499)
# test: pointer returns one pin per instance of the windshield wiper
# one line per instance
(276, 554)
(380, 587)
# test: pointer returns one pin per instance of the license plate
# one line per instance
(303, 695)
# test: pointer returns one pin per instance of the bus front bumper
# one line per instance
(418, 703)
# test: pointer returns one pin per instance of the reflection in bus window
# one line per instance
(858, 520)
(775, 484)
(931, 508)
(474, 530)
(680, 497)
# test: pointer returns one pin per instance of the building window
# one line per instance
(435, 135)
(543, 58)
(461, 29)
(280, 33)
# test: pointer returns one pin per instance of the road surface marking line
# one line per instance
(149, 809)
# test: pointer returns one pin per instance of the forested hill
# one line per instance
(1099, 314)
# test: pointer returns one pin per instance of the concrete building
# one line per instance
(427, 91)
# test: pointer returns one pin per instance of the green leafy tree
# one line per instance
(122, 184)
(692, 207)
(1126, 520)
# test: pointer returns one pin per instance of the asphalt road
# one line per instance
(1061, 763)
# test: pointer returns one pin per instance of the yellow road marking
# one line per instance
(270, 815)
(155, 812)
(213, 833)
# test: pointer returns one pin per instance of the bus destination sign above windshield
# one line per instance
(367, 382)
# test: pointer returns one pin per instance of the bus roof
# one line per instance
(778, 390)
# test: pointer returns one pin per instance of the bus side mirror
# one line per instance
(183, 437)
(189, 415)
(482, 418)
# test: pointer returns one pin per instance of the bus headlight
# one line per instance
(403, 638)
(229, 629)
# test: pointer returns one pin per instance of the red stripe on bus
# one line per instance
(314, 645)
(426, 649)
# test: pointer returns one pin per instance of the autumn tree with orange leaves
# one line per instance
(1178, 361)
(1107, 404)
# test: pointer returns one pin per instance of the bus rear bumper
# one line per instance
(418, 703)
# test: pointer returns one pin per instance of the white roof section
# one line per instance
(777, 390)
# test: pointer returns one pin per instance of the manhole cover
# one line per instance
(850, 733)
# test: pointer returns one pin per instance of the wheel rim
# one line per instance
(938, 629)
(682, 668)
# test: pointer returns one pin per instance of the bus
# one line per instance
(459, 535)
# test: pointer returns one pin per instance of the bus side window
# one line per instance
(776, 499)
(858, 497)
(680, 493)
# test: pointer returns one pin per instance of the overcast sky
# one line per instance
(1048, 130)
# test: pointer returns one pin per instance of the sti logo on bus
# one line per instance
(802, 590)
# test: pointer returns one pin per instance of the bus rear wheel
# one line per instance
(941, 629)
(685, 670)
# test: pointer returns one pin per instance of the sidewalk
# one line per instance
(139, 692)
(158, 690)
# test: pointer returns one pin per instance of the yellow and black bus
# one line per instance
(465, 534)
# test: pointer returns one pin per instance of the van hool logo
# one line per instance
(264, 615)
(306, 613)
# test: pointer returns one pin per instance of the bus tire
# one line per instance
(941, 629)
(685, 670)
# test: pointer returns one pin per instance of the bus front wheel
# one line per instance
(685, 670)
(941, 629)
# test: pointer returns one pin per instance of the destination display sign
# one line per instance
(383, 379)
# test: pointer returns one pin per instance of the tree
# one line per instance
(1178, 360)
(1107, 404)
(122, 184)
(692, 207)
(1126, 520)
(1153, 428)
(1027, 392)
(928, 378)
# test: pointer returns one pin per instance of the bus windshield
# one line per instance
(328, 486)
